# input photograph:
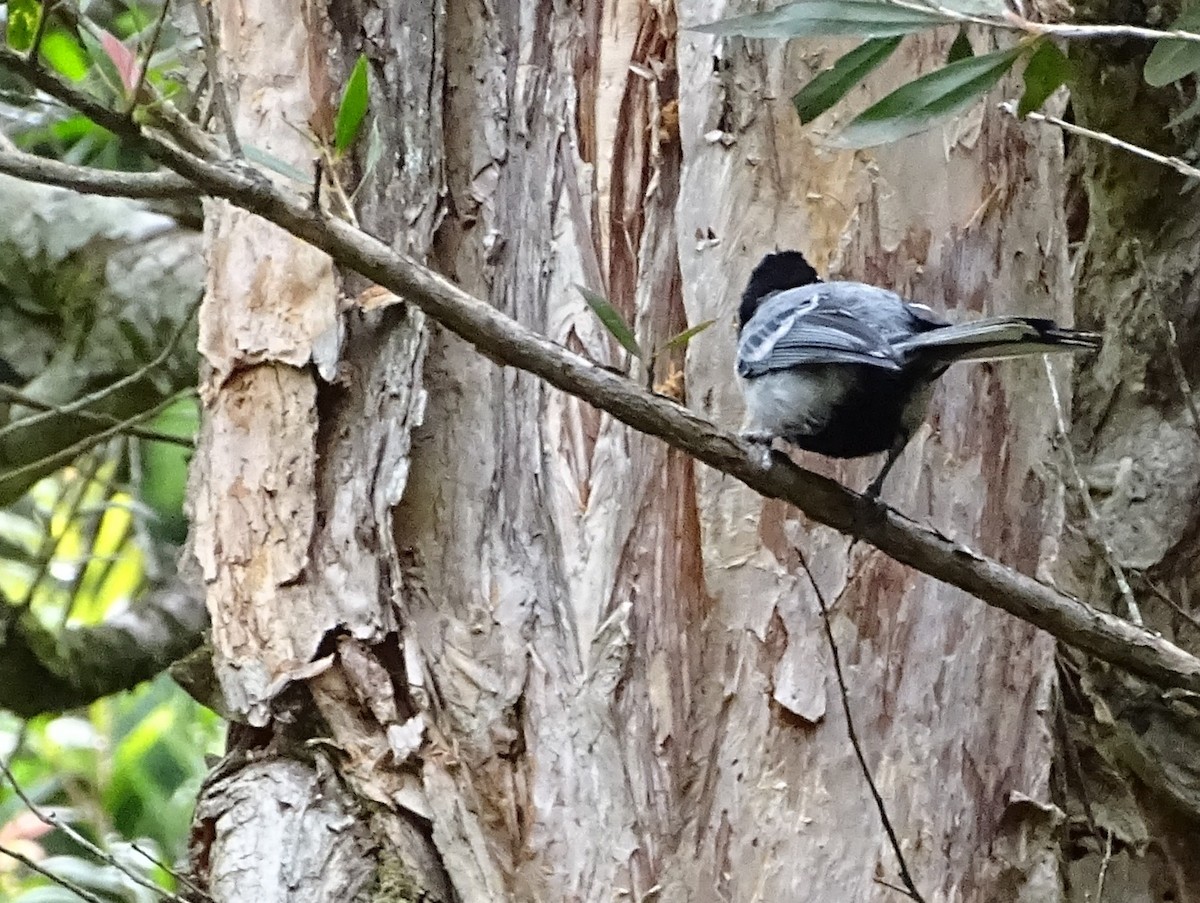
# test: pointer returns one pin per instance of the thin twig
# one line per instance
(208, 26)
(85, 401)
(1175, 163)
(66, 455)
(910, 887)
(1104, 866)
(104, 182)
(177, 875)
(314, 203)
(93, 521)
(36, 47)
(53, 821)
(16, 396)
(50, 542)
(1131, 606)
(1065, 30)
(1185, 387)
(65, 883)
(1159, 593)
(145, 67)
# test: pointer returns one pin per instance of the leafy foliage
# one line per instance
(964, 80)
(126, 768)
(99, 53)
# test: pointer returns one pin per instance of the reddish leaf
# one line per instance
(123, 58)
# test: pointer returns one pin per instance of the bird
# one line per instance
(846, 369)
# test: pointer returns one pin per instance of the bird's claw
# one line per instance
(762, 440)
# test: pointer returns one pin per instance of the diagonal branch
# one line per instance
(509, 343)
(42, 673)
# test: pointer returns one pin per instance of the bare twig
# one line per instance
(104, 182)
(85, 401)
(507, 342)
(16, 396)
(50, 542)
(36, 47)
(89, 532)
(65, 883)
(49, 818)
(1085, 496)
(208, 27)
(1161, 594)
(145, 67)
(1065, 30)
(66, 455)
(1185, 387)
(1104, 866)
(1180, 166)
(910, 887)
(318, 175)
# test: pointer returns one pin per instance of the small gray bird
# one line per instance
(847, 369)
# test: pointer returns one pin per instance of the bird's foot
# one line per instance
(762, 440)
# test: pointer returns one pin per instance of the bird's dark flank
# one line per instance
(846, 369)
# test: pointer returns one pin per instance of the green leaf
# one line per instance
(1172, 59)
(1047, 69)
(23, 18)
(681, 340)
(830, 86)
(961, 49)
(914, 107)
(826, 18)
(352, 108)
(65, 54)
(612, 320)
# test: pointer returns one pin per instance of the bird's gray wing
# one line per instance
(801, 327)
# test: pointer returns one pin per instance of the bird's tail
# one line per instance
(997, 339)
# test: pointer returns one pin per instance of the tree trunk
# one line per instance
(492, 645)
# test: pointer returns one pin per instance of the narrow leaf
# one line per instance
(961, 49)
(352, 108)
(830, 86)
(914, 107)
(1047, 69)
(22, 25)
(681, 340)
(612, 320)
(122, 58)
(1172, 59)
(825, 18)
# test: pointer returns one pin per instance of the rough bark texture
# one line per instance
(1128, 774)
(552, 659)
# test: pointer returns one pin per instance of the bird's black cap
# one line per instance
(774, 273)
